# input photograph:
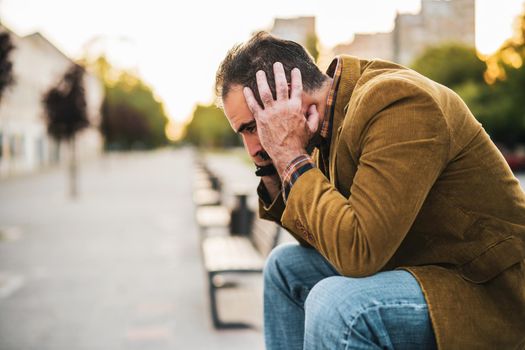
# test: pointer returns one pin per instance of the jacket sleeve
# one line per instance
(399, 139)
(273, 210)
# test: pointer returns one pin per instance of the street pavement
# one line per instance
(118, 268)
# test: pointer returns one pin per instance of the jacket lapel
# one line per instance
(351, 72)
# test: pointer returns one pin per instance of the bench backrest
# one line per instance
(264, 235)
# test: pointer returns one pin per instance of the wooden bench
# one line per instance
(227, 254)
(206, 187)
(212, 218)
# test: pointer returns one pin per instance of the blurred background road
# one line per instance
(118, 268)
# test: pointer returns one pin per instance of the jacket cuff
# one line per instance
(294, 170)
(294, 219)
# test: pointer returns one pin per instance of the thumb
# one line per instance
(312, 119)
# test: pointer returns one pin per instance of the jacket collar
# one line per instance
(351, 72)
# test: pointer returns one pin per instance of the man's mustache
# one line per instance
(263, 155)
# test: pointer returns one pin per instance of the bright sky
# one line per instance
(176, 46)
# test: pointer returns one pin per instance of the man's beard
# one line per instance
(265, 170)
(263, 155)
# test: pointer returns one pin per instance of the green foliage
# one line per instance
(488, 106)
(507, 74)
(65, 105)
(494, 90)
(210, 128)
(132, 117)
(510, 56)
(312, 46)
(451, 65)
(505, 115)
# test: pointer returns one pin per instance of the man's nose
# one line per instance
(253, 145)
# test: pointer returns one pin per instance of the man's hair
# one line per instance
(260, 53)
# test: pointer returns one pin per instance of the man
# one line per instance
(411, 224)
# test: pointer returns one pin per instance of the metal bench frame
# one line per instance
(264, 236)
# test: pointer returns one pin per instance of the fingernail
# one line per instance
(260, 73)
(277, 64)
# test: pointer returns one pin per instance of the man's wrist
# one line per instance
(285, 161)
(298, 166)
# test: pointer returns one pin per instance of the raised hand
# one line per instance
(284, 125)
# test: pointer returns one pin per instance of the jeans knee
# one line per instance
(280, 257)
(334, 311)
(321, 304)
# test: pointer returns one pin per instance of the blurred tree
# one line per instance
(510, 55)
(498, 105)
(66, 114)
(489, 107)
(506, 75)
(210, 128)
(125, 128)
(312, 46)
(6, 66)
(132, 116)
(451, 64)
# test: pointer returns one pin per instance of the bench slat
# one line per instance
(224, 253)
(212, 216)
(264, 235)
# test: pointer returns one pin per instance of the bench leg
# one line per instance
(223, 283)
(217, 323)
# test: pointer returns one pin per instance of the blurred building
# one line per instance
(376, 45)
(438, 21)
(298, 29)
(24, 143)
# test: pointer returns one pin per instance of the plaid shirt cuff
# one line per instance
(294, 170)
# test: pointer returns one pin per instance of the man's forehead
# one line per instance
(236, 108)
(235, 90)
(234, 100)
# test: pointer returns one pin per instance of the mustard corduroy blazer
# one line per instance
(414, 182)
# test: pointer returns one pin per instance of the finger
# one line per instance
(297, 84)
(264, 88)
(313, 118)
(252, 103)
(281, 85)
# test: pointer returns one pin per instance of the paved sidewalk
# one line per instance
(117, 269)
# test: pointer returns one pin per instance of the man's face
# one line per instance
(243, 123)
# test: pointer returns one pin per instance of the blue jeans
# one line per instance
(309, 305)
